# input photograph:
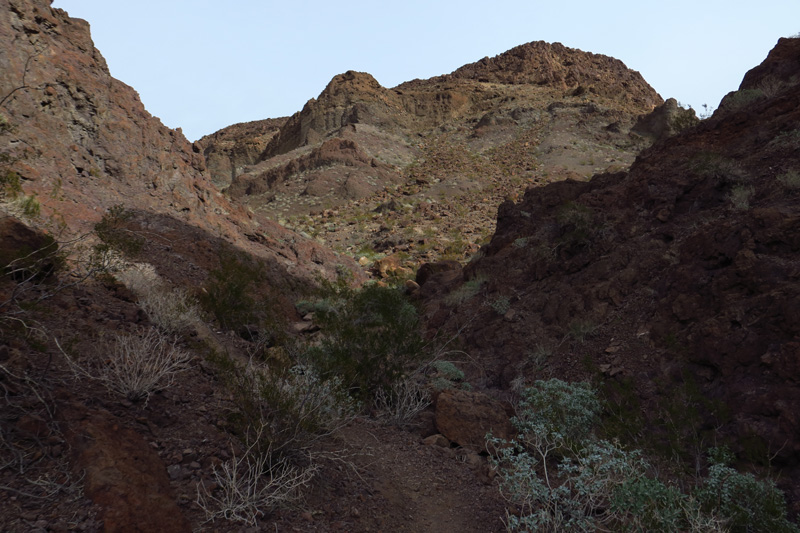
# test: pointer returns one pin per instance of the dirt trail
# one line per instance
(407, 486)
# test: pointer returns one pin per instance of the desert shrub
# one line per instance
(446, 375)
(251, 485)
(740, 197)
(465, 292)
(114, 234)
(521, 242)
(576, 224)
(10, 183)
(136, 365)
(371, 339)
(684, 119)
(229, 293)
(172, 309)
(744, 503)
(580, 330)
(401, 402)
(741, 99)
(557, 411)
(562, 478)
(500, 305)
(284, 410)
(790, 180)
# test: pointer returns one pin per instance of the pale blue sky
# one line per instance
(202, 65)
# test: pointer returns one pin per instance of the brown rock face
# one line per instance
(318, 180)
(83, 141)
(465, 417)
(86, 140)
(230, 149)
(123, 475)
(442, 146)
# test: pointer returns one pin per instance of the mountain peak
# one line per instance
(558, 66)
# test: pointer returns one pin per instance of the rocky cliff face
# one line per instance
(81, 142)
(86, 139)
(677, 280)
(230, 149)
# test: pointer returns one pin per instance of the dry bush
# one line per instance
(252, 484)
(171, 309)
(402, 402)
(137, 365)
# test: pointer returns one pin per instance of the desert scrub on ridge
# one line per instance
(172, 309)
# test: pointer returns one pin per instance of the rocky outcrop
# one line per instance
(666, 120)
(231, 149)
(84, 139)
(555, 65)
(536, 113)
(82, 142)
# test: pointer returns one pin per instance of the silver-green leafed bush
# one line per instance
(567, 411)
(747, 504)
(560, 477)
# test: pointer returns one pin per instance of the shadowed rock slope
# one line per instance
(675, 286)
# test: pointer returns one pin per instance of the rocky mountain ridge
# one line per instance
(534, 114)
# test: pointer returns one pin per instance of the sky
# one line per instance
(202, 65)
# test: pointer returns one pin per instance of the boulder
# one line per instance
(465, 417)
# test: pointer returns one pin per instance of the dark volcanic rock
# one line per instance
(123, 475)
(680, 278)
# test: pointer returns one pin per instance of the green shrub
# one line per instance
(501, 305)
(790, 180)
(561, 478)
(740, 197)
(10, 184)
(114, 234)
(684, 119)
(576, 224)
(746, 504)
(229, 293)
(371, 338)
(558, 411)
(172, 309)
(466, 291)
(742, 99)
(447, 376)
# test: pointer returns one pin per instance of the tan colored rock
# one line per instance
(436, 440)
